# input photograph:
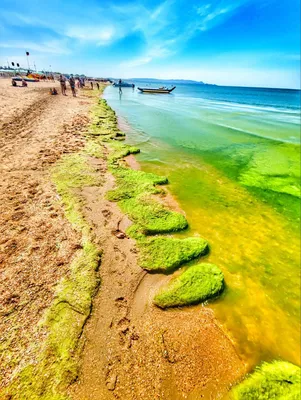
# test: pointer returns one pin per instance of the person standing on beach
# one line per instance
(62, 81)
(72, 85)
(97, 84)
(91, 83)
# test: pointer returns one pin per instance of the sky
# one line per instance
(225, 42)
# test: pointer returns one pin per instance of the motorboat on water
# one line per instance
(123, 84)
(156, 90)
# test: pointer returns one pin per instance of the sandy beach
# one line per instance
(130, 348)
(37, 242)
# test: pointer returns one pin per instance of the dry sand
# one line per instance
(132, 349)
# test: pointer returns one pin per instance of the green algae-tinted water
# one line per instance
(232, 156)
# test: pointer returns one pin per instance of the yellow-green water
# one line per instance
(258, 252)
(240, 192)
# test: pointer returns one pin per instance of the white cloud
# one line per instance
(136, 62)
(51, 46)
(100, 35)
(203, 10)
(18, 19)
(210, 15)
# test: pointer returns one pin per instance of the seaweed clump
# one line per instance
(104, 122)
(195, 285)
(276, 380)
(70, 174)
(165, 254)
(134, 196)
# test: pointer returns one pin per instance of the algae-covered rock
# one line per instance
(164, 254)
(277, 380)
(198, 283)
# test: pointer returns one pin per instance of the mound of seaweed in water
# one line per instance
(277, 380)
(198, 283)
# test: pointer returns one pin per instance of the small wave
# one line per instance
(237, 106)
(281, 140)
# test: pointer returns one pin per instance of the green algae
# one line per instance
(104, 122)
(249, 236)
(120, 150)
(134, 188)
(134, 195)
(250, 240)
(195, 285)
(151, 217)
(94, 148)
(270, 170)
(276, 380)
(56, 366)
(132, 183)
(276, 169)
(165, 254)
(72, 173)
(56, 362)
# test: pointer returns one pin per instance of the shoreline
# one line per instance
(133, 338)
(111, 373)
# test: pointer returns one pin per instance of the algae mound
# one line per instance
(133, 194)
(277, 380)
(104, 122)
(132, 183)
(164, 254)
(151, 217)
(198, 283)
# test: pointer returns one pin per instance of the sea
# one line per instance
(232, 158)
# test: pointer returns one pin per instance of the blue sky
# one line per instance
(230, 42)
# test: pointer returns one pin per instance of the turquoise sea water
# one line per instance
(232, 156)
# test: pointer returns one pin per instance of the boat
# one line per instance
(156, 90)
(123, 84)
(25, 78)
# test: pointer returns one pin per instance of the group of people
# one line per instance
(63, 83)
(80, 84)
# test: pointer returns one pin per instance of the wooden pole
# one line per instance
(27, 55)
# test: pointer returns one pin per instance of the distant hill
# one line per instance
(170, 81)
(165, 81)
